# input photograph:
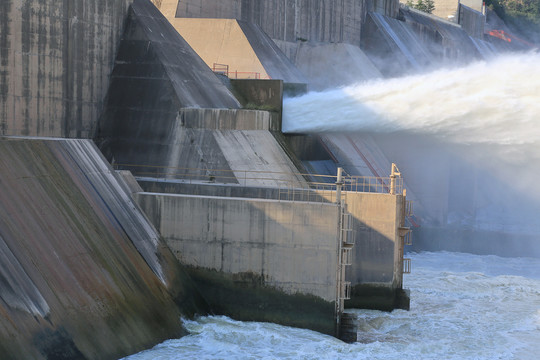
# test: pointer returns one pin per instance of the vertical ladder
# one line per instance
(346, 244)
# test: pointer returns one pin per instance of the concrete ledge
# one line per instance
(229, 119)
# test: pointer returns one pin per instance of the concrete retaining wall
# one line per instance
(376, 273)
(377, 249)
(292, 245)
(259, 260)
(377, 266)
(55, 62)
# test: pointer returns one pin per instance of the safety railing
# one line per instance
(286, 186)
(223, 69)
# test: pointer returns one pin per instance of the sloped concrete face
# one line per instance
(55, 62)
(222, 41)
(333, 65)
(154, 56)
(276, 64)
(84, 274)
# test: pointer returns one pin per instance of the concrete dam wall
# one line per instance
(55, 62)
(116, 287)
(84, 274)
(318, 21)
(238, 249)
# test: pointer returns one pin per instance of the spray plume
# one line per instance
(481, 122)
(486, 102)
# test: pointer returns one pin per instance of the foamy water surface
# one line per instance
(462, 307)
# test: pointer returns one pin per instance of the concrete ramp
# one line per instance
(333, 65)
(257, 159)
(247, 51)
(84, 274)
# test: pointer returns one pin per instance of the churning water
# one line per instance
(462, 307)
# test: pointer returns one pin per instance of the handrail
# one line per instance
(286, 179)
(223, 69)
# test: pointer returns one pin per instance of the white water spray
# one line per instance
(486, 102)
(478, 127)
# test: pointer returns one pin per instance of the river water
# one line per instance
(462, 307)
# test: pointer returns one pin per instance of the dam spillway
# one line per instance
(163, 108)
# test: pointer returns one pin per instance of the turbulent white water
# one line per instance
(462, 307)
(486, 102)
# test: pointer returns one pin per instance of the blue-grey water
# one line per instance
(462, 307)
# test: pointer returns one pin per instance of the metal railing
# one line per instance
(223, 69)
(286, 186)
